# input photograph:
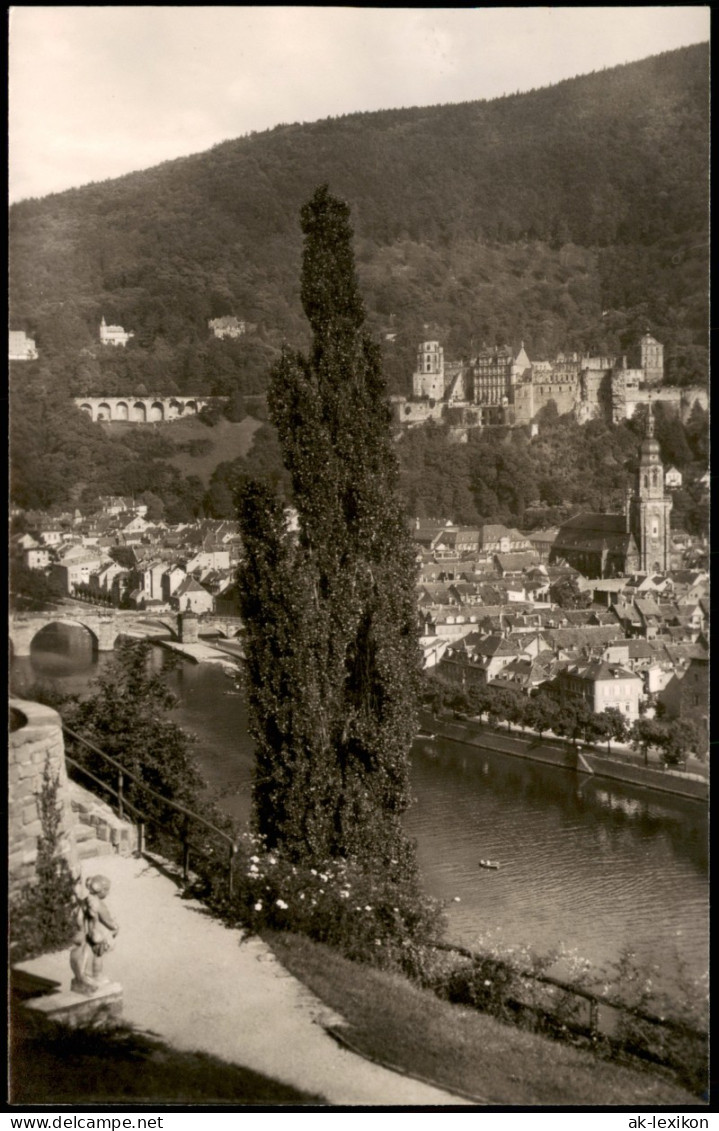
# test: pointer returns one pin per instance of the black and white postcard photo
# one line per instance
(358, 566)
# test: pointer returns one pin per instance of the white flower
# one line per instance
(258, 906)
(368, 908)
(487, 982)
(255, 859)
(344, 895)
(302, 895)
(271, 859)
(281, 903)
(457, 899)
(313, 871)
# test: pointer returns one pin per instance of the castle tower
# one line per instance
(650, 510)
(652, 359)
(428, 378)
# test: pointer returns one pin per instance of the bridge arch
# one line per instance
(69, 622)
(104, 411)
(121, 411)
(166, 622)
(139, 412)
(191, 406)
(157, 412)
(85, 407)
(104, 630)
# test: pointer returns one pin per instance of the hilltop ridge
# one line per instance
(572, 218)
(565, 216)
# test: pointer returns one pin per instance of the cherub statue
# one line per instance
(95, 936)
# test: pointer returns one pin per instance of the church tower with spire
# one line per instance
(649, 509)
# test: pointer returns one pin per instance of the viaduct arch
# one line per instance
(143, 410)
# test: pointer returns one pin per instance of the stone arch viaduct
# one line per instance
(143, 410)
(106, 628)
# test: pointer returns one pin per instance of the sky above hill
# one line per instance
(96, 92)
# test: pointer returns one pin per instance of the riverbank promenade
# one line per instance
(201, 986)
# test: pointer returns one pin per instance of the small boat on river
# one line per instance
(492, 864)
(427, 735)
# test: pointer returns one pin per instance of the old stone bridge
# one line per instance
(107, 626)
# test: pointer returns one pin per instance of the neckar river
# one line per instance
(594, 865)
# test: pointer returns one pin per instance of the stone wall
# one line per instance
(35, 736)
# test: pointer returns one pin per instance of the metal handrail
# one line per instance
(123, 803)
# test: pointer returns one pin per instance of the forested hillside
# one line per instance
(571, 217)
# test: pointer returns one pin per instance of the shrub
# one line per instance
(44, 915)
(364, 914)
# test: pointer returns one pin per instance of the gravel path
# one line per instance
(201, 986)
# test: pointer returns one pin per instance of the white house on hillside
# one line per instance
(21, 348)
(114, 335)
(672, 477)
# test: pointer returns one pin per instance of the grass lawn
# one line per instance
(121, 1066)
(229, 440)
(395, 1022)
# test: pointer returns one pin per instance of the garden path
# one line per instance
(201, 986)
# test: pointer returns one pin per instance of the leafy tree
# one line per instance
(127, 717)
(566, 593)
(509, 705)
(539, 714)
(645, 733)
(680, 738)
(480, 699)
(697, 432)
(571, 721)
(155, 506)
(607, 725)
(31, 589)
(219, 500)
(331, 646)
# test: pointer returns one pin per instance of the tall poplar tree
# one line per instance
(331, 644)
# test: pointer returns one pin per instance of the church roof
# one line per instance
(593, 531)
(590, 520)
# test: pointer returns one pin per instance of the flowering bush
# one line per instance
(369, 917)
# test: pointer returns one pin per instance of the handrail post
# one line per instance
(120, 783)
(593, 1017)
(140, 837)
(231, 876)
(185, 851)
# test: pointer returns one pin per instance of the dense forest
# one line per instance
(571, 217)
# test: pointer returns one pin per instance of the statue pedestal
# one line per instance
(78, 1009)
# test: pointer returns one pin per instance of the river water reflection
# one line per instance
(592, 864)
